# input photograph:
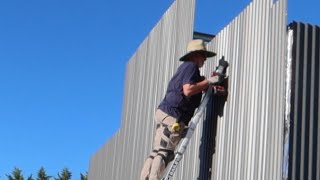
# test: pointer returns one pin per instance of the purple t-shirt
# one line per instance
(175, 103)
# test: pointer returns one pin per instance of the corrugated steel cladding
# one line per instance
(240, 138)
(147, 75)
(249, 137)
(304, 161)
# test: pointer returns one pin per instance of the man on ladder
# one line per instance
(182, 97)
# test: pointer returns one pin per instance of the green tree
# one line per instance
(42, 175)
(17, 175)
(84, 177)
(65, 175)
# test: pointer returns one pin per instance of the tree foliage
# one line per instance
(84, 177)
(17, 175)
(42, 175)
(65, 175)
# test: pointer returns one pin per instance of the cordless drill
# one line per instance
(221, 68)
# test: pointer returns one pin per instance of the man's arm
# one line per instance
(192, 89)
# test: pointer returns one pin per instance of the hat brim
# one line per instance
(206, 53)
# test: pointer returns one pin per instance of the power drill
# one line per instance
(221, 71)
(221, 68)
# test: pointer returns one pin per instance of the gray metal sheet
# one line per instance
(147, 74)
(249, 137)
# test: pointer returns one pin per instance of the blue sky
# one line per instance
(62, 68)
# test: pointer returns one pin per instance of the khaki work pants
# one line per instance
(165, 142)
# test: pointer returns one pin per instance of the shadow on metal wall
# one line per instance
(215, 109)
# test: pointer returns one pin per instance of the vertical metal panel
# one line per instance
(147, 75)
(249, 137)
(304, 149)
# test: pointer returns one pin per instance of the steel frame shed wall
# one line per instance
(245, 140)
(147, 74)
(249, 135)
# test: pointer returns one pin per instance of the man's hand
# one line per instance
(214, 80)
(219, 90)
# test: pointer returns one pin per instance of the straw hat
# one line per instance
(197, 45)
